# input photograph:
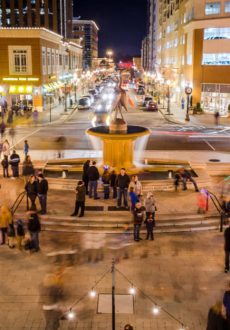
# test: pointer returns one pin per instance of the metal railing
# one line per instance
(18, 202)
(220, 209)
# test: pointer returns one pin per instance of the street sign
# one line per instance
(188, 90)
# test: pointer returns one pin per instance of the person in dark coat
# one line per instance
(14, 162)
(216, 320)
(85, 177)
(106, 182)
(34, 228)
(26, 148)
(138, 217)
(43, 188)
(150, 224)
(113, 184)
(122, 183)
(27, 167)
(93, 176)
(31, 188)
(227, 248)
(80, 199)
(5, 166)
(186, 176)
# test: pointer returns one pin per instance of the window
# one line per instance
(49, 60)
(44, 71)
(227, 7)
(216, 59)
(20, 60)
(217, 33)
(212, 8)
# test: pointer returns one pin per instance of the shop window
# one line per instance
(217, 33)
(20, 60)
(227, 7)
(212, 8)
(44, 71)
(216, 59)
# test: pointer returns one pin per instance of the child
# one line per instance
(150, 224)
(20, 231)
(11, 236)
(133, 198)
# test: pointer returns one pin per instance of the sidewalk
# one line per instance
(178, 117)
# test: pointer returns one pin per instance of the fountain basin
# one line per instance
(118, 148)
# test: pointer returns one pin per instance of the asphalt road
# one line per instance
(165, 135)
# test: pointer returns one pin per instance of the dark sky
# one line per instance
(122, 23)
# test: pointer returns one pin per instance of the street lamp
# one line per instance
(168, 94)
(65, 96)
(188, 92)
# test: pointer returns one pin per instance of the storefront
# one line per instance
(216, 97)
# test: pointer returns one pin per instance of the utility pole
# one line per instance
(113, 296)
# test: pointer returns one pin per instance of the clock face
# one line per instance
(188, 90)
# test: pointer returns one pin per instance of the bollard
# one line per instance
(170, 174)
(64, 174)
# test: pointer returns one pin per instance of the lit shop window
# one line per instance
(216, 33)
(227, 7)
(216, 59)
(212, 8)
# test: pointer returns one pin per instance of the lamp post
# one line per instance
(65, 96)
(188, 92)
(50, 108)
(113, 296)
(168, 94)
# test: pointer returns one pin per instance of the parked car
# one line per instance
(93, 92)
(151, 106)
(146, 100)
(90, 97)
(84, 103)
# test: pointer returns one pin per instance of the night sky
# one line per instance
(122, 23)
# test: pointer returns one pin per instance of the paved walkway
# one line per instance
(182, 273)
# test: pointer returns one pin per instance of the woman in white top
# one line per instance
(6, 148)
(136, 185)
(150, 204)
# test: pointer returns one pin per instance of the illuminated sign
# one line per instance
(20, 79)
(20, 89)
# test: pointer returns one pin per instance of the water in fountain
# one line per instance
(140, 147)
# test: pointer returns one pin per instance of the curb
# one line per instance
(174, 121)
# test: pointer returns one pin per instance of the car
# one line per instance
(84, 103)
(90, 97)
(151, 106)
(147, 99)
(93, 92)
(101, 118)
(141, 91)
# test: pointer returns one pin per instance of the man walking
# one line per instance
(80, 199)
(227, 248)
(14, 162)
(123, 181)
(93, 176)
(138, 217)
(42, 192)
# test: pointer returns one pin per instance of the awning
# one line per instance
(20, 89)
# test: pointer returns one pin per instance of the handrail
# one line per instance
(18, 201)
(219, 208)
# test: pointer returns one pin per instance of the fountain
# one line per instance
(118, 138)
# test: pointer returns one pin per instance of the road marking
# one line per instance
(26, 137)
(209, 145)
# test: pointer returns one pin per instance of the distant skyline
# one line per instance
(122, 23)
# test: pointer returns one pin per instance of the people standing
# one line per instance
(136, 185)
(5, 220)
(227, 248)
(93, 176)
(85, 176)
(20, 233)
(150, 204)
(6, 148)
(43, 188)
(34, 228)
(138, 217)
(122, 183)
(177, 179)
(217, 118)
(26, 148)
(150, 224)
(11, 235)
(14, 162)
(106, 182)
(113, 184)
(5, 166)
(27, 167)
(186, 176)
(31, 188)
(80, 199)
(133, 198)
(216, 320)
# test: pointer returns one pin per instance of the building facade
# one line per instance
(38, 68)
(55, 15)
(145, 53)
(86, 32)
(192, 41)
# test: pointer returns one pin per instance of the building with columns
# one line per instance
(192, 41)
